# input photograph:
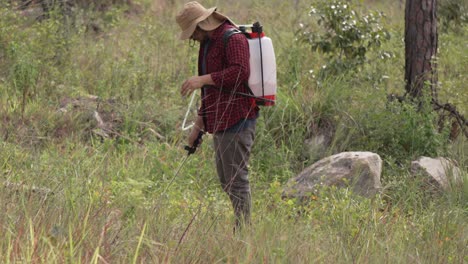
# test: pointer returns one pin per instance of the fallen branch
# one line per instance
(451, 109)
(461, 120)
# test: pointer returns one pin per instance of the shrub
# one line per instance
(401, 131)
(452, 14)
(345, 36)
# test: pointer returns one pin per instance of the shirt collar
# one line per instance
(218, 32)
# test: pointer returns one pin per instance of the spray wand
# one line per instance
(190, 151)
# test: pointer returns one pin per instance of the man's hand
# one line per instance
(198, 126)
(193, 136)
(195, 82)
(191, 85)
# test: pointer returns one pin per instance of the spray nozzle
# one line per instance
(257, 27)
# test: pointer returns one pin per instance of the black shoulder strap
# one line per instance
(228, 33)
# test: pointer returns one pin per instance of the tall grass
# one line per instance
(68, 195)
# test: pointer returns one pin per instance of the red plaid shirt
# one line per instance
(230, 69)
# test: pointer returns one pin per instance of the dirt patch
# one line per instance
(101, 117)
(80, 118)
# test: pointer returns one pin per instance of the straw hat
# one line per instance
(195, 14)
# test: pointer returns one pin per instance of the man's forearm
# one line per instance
(206, 80)
(199, 123)
(196, 82)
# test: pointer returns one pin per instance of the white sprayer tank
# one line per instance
(268, 89)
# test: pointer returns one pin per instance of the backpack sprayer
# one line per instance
(262, 79)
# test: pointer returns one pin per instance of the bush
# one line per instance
(402, 131)
(452, 14)
(345, 36)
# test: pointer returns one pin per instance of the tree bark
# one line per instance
(420, 46)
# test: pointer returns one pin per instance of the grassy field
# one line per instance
(70, 194)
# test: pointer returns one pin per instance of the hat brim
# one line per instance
(188, 32)
(214, 21)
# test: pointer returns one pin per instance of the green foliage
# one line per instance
(453, 14)
(345, 36)
(24, 76)
(100, 5)
(452, 77)
(402, 130)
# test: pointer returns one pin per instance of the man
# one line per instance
(229, 116)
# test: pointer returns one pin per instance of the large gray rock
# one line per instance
(360, 170)
(440, 172)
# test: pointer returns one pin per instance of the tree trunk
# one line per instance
(420, 46)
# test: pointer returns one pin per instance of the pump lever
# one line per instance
(257, 27)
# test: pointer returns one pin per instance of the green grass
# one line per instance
(109, 200)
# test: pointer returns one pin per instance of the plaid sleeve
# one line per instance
(237, 68)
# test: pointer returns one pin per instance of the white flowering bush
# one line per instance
(344, 35)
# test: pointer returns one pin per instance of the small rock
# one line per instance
(440, 172)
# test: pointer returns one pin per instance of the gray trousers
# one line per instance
(232, 150)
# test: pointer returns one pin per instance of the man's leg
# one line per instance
(242, 203)
(232, 157)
